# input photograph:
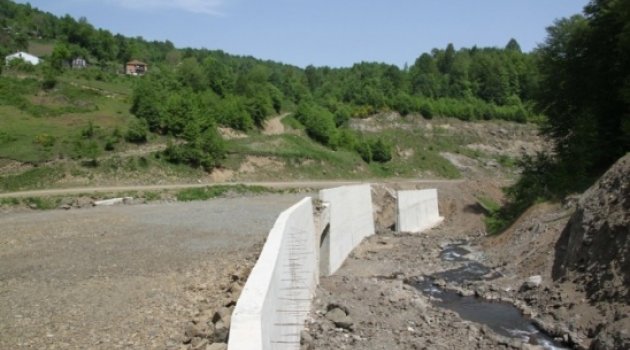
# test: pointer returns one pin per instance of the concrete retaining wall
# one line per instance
(276, 298)
(417, 210)
(351, 220)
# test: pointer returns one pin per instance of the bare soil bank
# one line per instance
(582, 307)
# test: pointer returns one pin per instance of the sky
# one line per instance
(336, 33)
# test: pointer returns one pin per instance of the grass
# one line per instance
(302, 157)
(489, 205)
(292, 123)
(495, 223)
(41, 48)
(38, 125)
(205, 193)
(39, 203)
(416, 154)
(43, 203)
(31, 179)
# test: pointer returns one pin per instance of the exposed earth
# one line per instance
(571, 280)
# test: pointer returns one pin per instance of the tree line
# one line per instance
(584, 92)
(575, 85)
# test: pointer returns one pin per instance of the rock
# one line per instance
(195, 330)
(537, 280)
(217, 346)
(614, 336)
(235, 289)
(199, 343)
(112, 201)
(223, 314)
(221, 332)
(527, 286)
(306, 341)
(339, 318)
(594, 245)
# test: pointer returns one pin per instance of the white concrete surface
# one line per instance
(27, 57)
(351, 220)
(112, 201)
(417, 210)
(276, 298)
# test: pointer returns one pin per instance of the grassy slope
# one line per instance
(60, 115)
(38, 126)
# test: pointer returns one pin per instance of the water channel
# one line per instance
(503, 318)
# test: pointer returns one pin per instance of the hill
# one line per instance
(199, 112)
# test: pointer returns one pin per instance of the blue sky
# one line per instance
(324, 32)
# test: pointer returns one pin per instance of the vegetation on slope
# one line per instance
(584, 91)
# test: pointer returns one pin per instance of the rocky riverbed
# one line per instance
(397, 290)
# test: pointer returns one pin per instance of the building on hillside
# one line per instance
(79, 63)
(24, 56)
(136, 67)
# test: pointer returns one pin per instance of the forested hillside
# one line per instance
(575, 85)
(188, 92)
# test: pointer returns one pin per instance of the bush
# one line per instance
(319, 123)
(138, 131)
(381, 151)
(208, 151)
(364, 150)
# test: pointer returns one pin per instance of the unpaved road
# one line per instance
(274, 125)
(277, 185)
(125, 277)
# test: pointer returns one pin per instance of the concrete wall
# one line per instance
(276, 298)
(417, 210)
(351, 220)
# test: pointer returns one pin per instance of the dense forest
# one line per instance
(575, 84)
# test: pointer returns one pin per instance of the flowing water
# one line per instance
(503, 318)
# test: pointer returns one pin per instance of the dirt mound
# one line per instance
(594, 248)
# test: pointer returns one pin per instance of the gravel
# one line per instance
(124, 276)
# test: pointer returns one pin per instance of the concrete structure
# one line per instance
(417, 210)
(276, 298)
(78, 63)
(112, 201)
(26, 57)
(136, 67)
(351, 220)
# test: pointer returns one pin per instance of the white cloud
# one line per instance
(210, 7)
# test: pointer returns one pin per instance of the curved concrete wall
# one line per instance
(417, 210)
(276, 298)
(351, 220)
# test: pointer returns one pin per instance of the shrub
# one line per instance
(208, 151)
(381, 151)
(319, 123)
(138, 131)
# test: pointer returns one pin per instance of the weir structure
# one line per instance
(302, 246)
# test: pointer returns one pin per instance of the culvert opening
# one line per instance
(324, 251)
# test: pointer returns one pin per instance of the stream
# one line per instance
(503, 318)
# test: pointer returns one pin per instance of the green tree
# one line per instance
(513, 45)
(138, 131)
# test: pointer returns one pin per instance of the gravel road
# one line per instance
(125, 276)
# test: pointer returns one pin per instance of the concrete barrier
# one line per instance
(417, 210)
(351, 220)
(276, 298)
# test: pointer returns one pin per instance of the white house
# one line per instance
(27, 57)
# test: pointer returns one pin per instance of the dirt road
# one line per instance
(277, 185)
(122, 277)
